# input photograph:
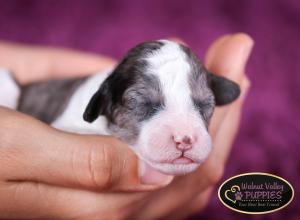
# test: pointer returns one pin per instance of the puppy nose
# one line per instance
(184, 142)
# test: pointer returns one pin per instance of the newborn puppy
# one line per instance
(159, 99)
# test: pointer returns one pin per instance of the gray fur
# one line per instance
(130, 95)
(140, 102)
(202, 95)
(46, 100)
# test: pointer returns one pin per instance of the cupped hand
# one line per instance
(46, 173)
(50, 174)
(31, 63)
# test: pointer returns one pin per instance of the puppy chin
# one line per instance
(174, 169)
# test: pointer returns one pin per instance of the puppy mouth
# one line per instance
(178, 166)
(175, 168)
(182, 160)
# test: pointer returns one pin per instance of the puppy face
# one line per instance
(159, 99)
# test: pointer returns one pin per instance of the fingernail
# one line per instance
(150, 176)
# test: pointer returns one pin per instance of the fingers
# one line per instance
(228, 57)
(32, 151)
(213, 51)
(179, 192)
(225, 121)
(149, 175)
(32, 63)
(224, 136)
(193, 206)
(41, 201)
(70, 63)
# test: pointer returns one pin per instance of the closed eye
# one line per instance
(205, 108)
(143, 108)
(151, 108)
(200, 105)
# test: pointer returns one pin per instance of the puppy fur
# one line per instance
(159, 99)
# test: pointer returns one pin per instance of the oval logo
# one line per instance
(256, 193)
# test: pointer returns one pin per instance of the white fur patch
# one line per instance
(9, 90)
(179, 117)
(72, 118)
(170, 66)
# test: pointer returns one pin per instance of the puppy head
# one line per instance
(159, 99)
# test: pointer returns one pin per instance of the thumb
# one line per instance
(33, 151)
(228, 57)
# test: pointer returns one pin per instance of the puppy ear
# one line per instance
(98, 103)
(225, 90)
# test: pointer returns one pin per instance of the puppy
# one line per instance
(159, 99)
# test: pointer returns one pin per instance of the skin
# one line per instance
(46, 173)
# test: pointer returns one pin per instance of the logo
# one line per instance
(256, 193)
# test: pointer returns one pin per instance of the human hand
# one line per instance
(188, 194)
(44, 189)
(46, 173)
(31, 63)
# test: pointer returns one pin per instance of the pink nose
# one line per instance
(183, 142)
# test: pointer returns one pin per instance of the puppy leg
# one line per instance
(9, 90)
